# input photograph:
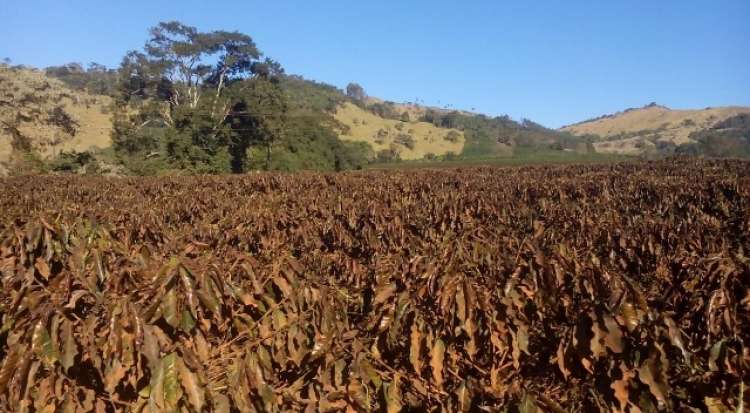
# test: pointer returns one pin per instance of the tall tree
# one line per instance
(180, 81)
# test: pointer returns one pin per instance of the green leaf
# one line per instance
(187, 322)
(528, 404)
(172, 388)
(42, 345)
(169, 309)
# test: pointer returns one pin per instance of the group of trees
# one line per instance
(728, 138)
(96, 79)
(210, 102)
(197, 101)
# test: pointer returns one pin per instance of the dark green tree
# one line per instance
(187, 90)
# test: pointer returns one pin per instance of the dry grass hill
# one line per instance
(412, 140)
(41, 114)
(635, 131)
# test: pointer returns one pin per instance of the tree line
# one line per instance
(212, 102)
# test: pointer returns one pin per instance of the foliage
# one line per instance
(404, 139)
(72, 161)
(483, 134)
(386, 110)
(191, 89)
(308, 95)
(179, 112)
(452, 136)
(97, 79)
(577, 288)
(388, 155)
(728, 138)
(356, 92)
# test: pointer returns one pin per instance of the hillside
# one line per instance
(651, 128)
(410, 139)
(42, 115)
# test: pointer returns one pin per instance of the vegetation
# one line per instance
(356, 92)
(210, 103)
(486, 136)
(97, 79)
(728, 138)
(40, 115)
(576, 288)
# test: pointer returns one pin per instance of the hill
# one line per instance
(652, 128)
(42, 115)
(408, 139)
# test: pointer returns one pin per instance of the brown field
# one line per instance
(560, 288)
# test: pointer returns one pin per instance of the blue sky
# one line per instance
(554, 62)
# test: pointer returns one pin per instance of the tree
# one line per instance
(259, 116)
(356, 92)
(197, 87)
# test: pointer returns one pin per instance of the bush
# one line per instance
(59, 117)
(72, 161)
(388, 155)
(452, 136)
(450, 156)
(405, 140)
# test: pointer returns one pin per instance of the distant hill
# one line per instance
(410, 139)
(652, 128)
(42, 114)
(63, 109)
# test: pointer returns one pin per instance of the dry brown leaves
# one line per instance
(575, 288)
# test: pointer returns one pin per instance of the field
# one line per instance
(518, 157)
(548, 288)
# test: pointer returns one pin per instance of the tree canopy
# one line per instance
(210, 102)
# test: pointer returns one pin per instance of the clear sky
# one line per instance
(554, 62)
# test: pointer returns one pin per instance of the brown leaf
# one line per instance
(620, 387)
(653, 374)
(193, 389)
(384, 293)
(113, 374)
(415, 349)
(43, 268)
(393, 395)
(436, 362)
(70, 348)
(561, 359)
(463, 395)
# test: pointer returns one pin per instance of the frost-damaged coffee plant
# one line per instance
(576, 288)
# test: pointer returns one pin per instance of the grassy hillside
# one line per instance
(651, 128)
(411, 140)
(42, 115)
(46, 113)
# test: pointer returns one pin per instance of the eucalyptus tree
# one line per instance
(180, 83)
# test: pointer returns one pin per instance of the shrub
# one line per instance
(405, 140)
(452, 136)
